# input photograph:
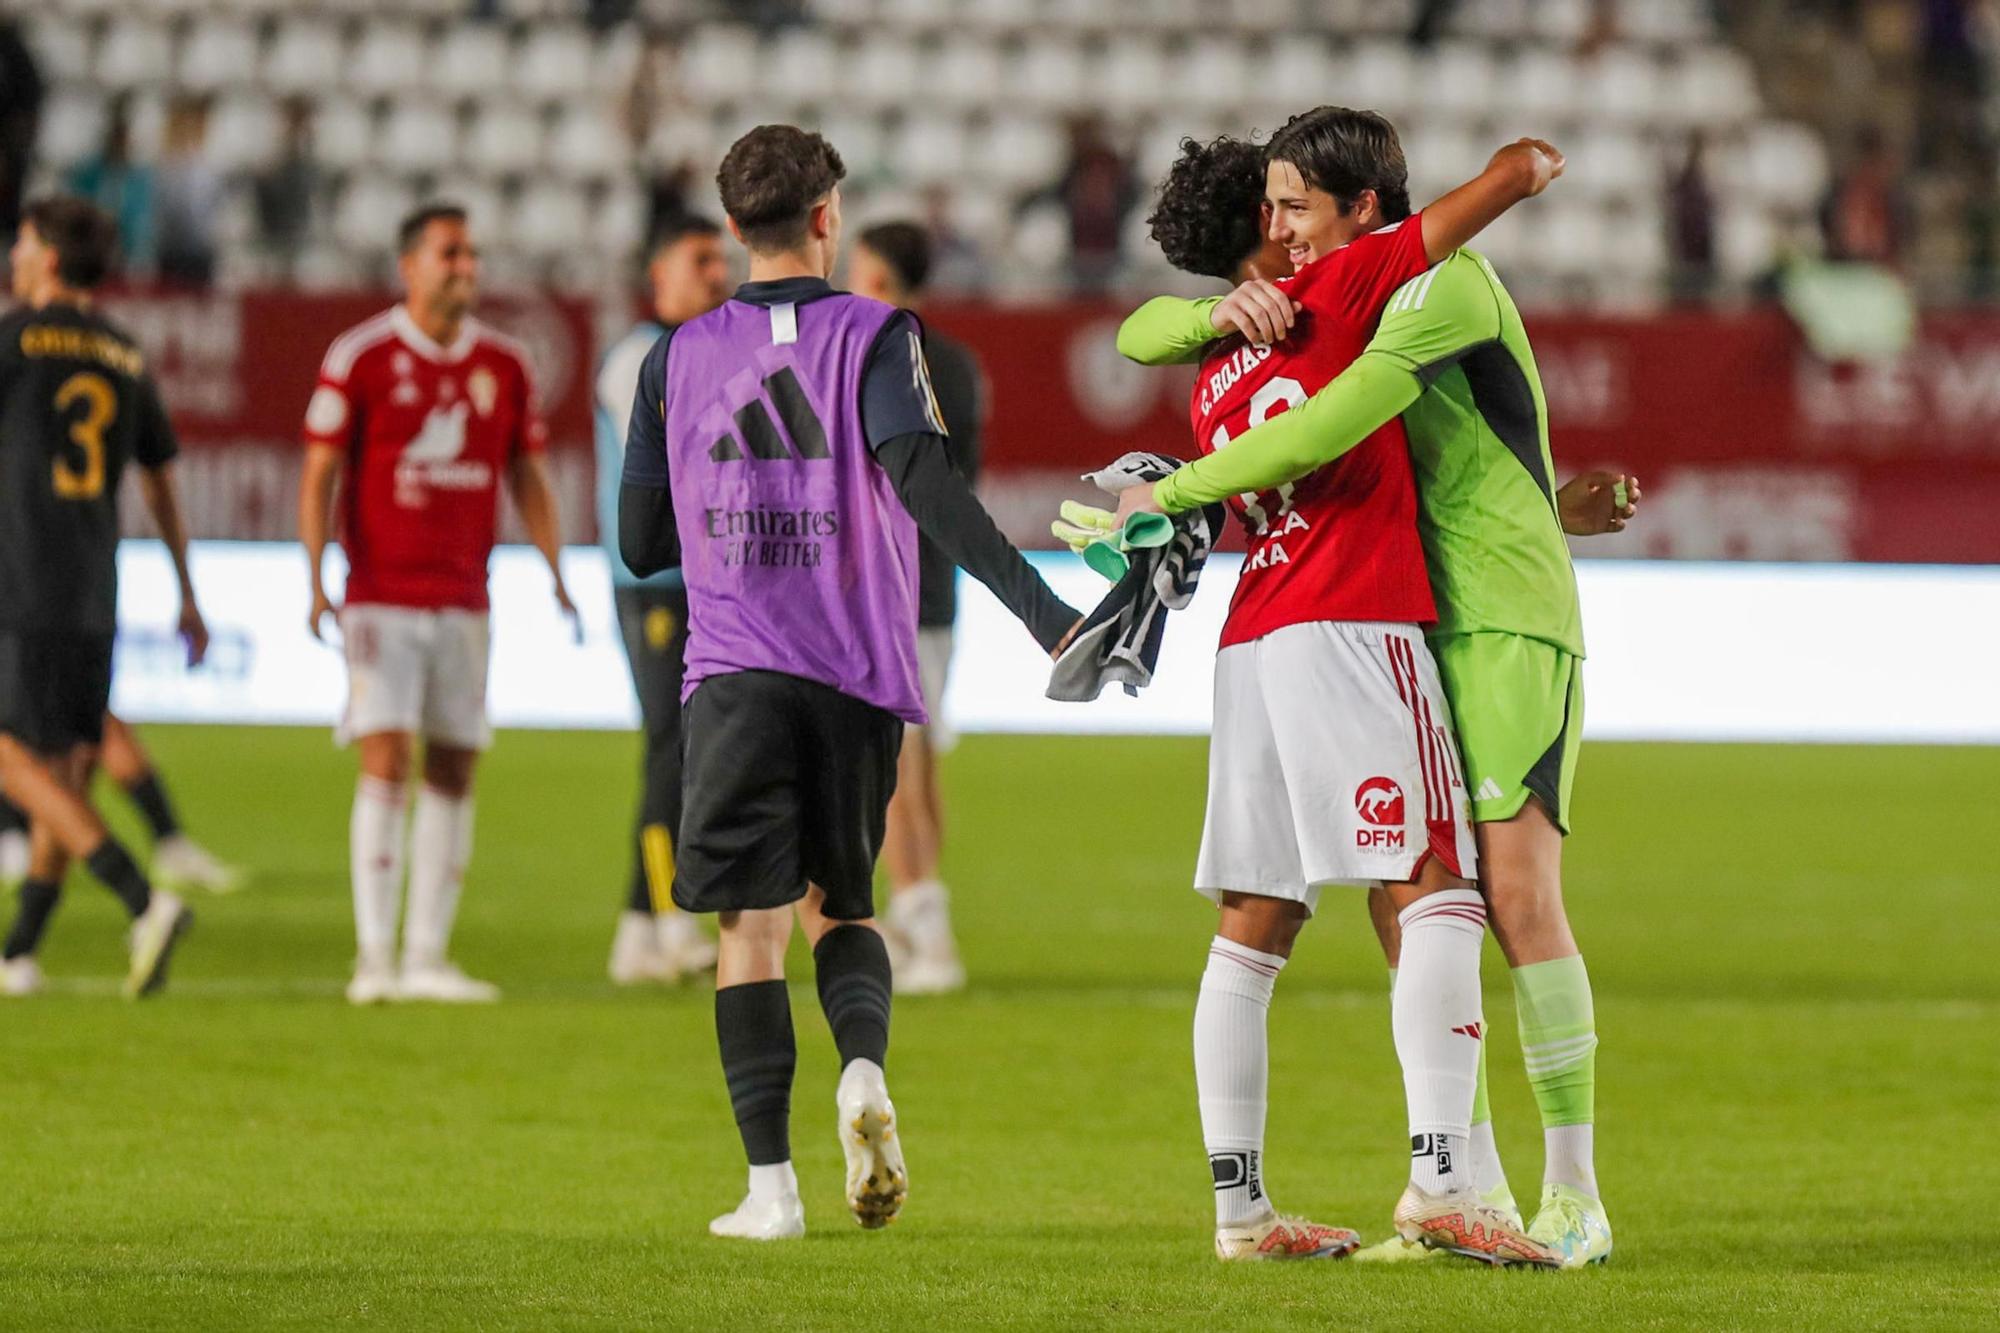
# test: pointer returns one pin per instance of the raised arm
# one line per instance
(1431, 320)
(1521, 170)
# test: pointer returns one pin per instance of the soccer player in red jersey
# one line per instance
(423, 410)
(1333, 759)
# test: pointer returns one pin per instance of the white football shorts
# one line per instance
(1332, 762)
(416, 671)
(934, 644)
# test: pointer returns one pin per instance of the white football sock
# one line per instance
(1487, 1173)
(773, 1182)
(1568, 1151)
(923, 914)
(440, 845)
(375, 863)
(1232, 1074)
(1438, 1025)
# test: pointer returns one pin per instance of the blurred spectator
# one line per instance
(1867, 213)
(956, 265)
(1429, 21)
(120, 186)
(1097, 189)
(287, 190)
(190, 192)
(21, 92)
(1691, 223)
(1599, 31)
(1957, 55)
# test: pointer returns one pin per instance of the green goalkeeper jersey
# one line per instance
(1452, 356)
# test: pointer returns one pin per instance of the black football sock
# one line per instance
(753, 1025)
(639, 897)
(116, 870)
(38, 904)
(151, 798)
(11, 818)
(853, 966)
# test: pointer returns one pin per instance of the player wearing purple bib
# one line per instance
(784, 451)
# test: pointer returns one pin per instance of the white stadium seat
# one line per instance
(1134, 75)
(718, 63)
(556, 61)
(1561, 22)
(419, 136)
(588, 143)
(549, 219)
(882, 72)
(1019, 151)
(503, 138)
(858, 138)
(969, 72)
(1460, 79)
(135, 53)
(343, 132)
(618, 224)
(62, 48)
(1538, 87)
(1609, 163)
(472, 60)
(367, 213)
(72, 127)
(1213, 72)
(390, 58)
(802, 65)
(485, 206)
(1714, 86)
(1625, 84)
(218, 53)
(305, 56)
(1049, 72)
(1783, 164)
(1382, 76)
(243, 133)
(929, 149)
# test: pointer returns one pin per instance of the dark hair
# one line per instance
(1345, 152)
(770, 179)
(411, 230)
(906, 248)
(679, 227)
(84, 237)
(1207, 218)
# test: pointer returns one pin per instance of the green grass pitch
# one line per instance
(1793, 949)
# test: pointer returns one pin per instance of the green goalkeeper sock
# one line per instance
(1559, 1047)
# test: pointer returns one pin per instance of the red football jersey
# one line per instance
(428, 431)
(1341, 543)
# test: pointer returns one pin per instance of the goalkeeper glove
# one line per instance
(1096, 535)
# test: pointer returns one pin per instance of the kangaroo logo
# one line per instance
(1379, 801)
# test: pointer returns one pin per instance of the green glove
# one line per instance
(1095, 535)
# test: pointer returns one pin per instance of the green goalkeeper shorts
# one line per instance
(1518, 704)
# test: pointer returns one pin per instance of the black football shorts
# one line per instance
(785, 782)
(54, 688)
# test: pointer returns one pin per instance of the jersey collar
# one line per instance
(780, 291)
(426, 347)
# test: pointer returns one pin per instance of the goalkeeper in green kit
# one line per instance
(1451, 356)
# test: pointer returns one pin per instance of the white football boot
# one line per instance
(924, 959)
(154, 935)
(686, 946)
(1461, 1222)
(636, 956)
(1276, 1237)
(21, 977)
(374, 982)
(180, 863)
(781, 1218)
(877, 1180)
(440, 981)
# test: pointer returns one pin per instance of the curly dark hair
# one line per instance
(1207, 219)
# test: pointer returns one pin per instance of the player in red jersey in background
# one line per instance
(423, 410)
(1333, 759)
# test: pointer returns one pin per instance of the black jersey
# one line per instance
(76, 405)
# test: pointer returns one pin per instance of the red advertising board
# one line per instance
(1749, 447)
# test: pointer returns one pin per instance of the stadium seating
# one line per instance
(528, 114)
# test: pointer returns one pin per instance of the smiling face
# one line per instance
(1309, 222)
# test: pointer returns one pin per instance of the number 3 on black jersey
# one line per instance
(100, 405)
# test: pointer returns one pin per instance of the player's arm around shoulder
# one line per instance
(1521, 170)
(1168, 331)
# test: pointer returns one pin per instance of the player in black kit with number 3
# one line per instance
(76, 406)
